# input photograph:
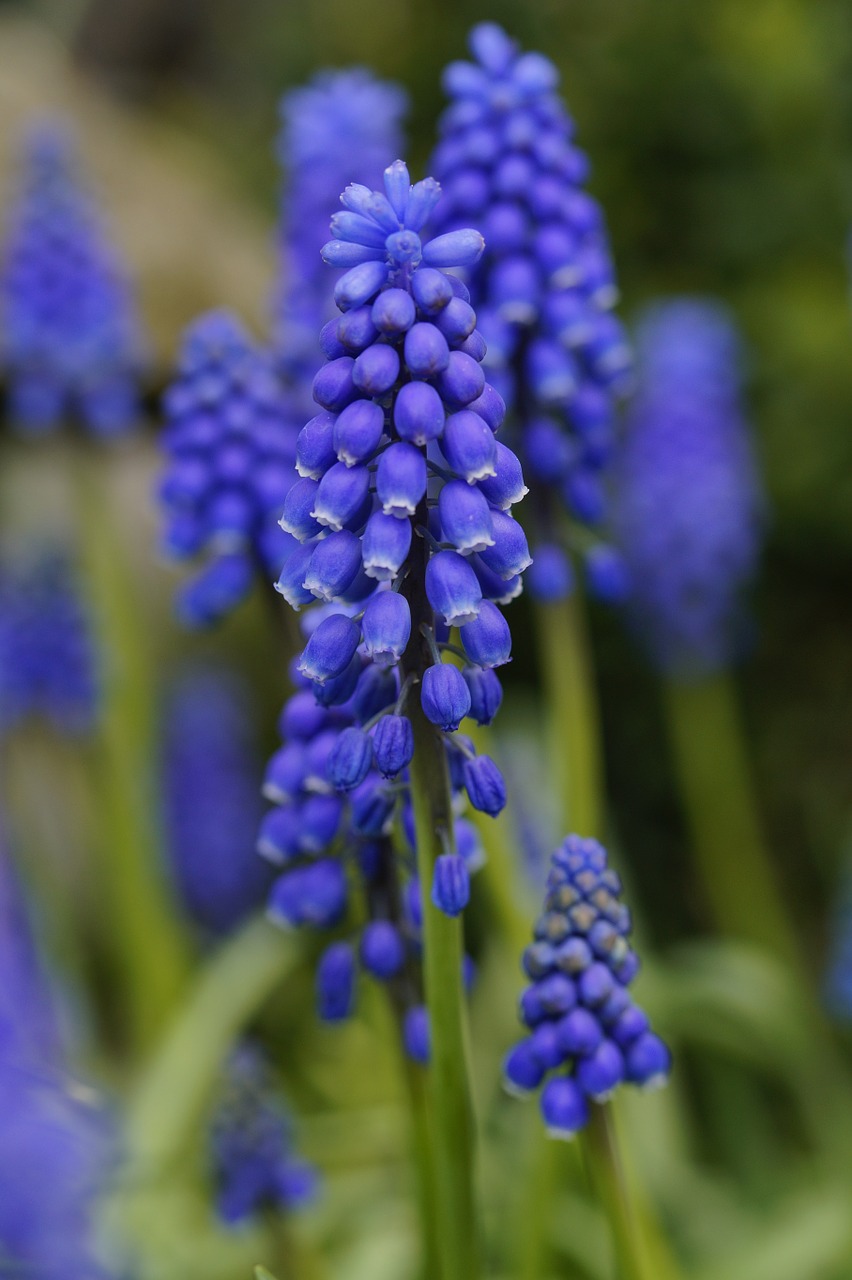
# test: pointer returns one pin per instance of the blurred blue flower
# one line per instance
(70, 341)
(230, 444)
(48, 663)
(251, 1144)
(543, 289)
(690, 507)
(341, 126)
(582, 1020)
(54, 1144)
(211, 796)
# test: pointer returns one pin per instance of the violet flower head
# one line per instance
(48, 660)
(70, 341)
(29, 1028)
(690, 507)
(403, 511)
(342, 126)
(330, 836)
(251, 1145)
(837, 980)
(544, 289)
(230, 443)
(54, 1145)
(583, 1023)
(211, 796)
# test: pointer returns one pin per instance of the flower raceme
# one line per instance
(210, 799)
(403, 513)
(69, 334)
(582, 1020)
(543, 289)
(230, 443)
(48, 658)
(689, 509)
(252, 1148)
(341, 125)
(330, 834)
(403, 506)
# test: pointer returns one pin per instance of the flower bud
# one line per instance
(444, 696)
(450, 884)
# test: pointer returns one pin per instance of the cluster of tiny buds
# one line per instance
(333, 835)
(581, 1017)
(403, 507)
(230, 444)
(544, 291)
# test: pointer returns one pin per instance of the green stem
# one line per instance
(735, 866)
(569, 686)
(453, 1137)
(606, 1173)
(171, 1096)
(569, 690)
(150, 952)
(416, 1080)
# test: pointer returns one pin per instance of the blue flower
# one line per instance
(255, 1167)
(342, 125)
(70, 342)
(54, 1145)
(690, 505)
(48, 662)
(230, 442)
(544, 288)
(581, 1018)
(211, 802)
(330, 836)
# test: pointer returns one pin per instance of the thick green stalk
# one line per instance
(170, 1099)
(150, 953)
(569, 690)
(735, 866)
(569, 686)
(606, 1173)
(453, 1136)
(416, 1079)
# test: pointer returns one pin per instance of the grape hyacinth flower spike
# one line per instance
(55, 1148)
(583, 1023)
(403, 508)
(230, 445)
(48, 662)
(341, 126)
(251, 1145)
(211, 801)
(689, 508)
(70, 341)
(392, 509)
(544, 291)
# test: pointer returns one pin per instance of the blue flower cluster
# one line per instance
(48, 664)
(343, 125)
(582, 1020)
(53, 1144)
(29, 1028)
(689, 503)
(543, 291)
(837, 982)
(230, 441)
(333, 830)
(69, 337)
(403, 509)
(251, 1145)
(211, 799)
